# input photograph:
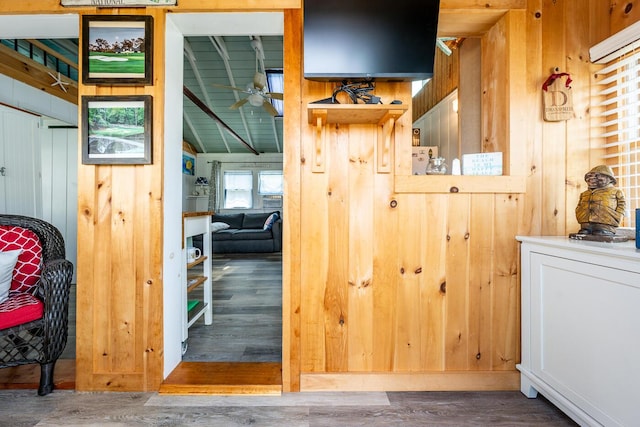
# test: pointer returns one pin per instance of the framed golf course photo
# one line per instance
(117, 49)
(116, 130)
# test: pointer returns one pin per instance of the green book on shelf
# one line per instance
(191, 304)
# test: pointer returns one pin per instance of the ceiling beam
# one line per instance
(28, 71)
(188, 52)
(213, 115)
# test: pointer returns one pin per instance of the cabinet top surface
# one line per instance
(195, 214)
(623, 249)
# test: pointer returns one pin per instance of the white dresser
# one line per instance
(581, 328)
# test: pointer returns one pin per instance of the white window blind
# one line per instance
(238, 190)
(270, 183)
(618, 102)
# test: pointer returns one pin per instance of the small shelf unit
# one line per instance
(196, 282)
(382, 115)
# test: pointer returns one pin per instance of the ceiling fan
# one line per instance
(257, 89)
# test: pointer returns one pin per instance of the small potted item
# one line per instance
(436, 166)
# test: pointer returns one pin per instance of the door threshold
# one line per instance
(250, 378)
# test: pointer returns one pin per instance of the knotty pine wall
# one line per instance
(423, 295)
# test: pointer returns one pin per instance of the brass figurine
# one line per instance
(601, 206)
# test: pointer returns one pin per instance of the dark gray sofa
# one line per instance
(246, 233)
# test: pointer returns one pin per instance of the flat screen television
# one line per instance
(378, 40)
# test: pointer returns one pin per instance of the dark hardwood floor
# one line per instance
(247, 312)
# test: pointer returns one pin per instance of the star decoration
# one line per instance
(58, 82)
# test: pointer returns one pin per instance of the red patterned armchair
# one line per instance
(35, 279)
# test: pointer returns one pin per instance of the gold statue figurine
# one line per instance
(601, 206)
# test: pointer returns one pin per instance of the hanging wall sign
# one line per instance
(557, 97)
(118, 3)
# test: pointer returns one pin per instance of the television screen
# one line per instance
(378, 40)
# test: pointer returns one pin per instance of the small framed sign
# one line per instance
(118, 3)
(117, 49)
(116, 130)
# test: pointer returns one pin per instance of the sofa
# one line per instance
(245, 233)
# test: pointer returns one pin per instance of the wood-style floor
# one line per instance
(250, 332)
(247, 312)
(68, 408)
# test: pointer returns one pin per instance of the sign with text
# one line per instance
(118, 3)
(482, 164)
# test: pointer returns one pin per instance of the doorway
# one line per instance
(179, 26)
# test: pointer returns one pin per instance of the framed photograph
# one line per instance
(117, 49)
(188, 164)
(116, 130)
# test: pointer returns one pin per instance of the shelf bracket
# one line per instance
(318, 161)
(386, 127)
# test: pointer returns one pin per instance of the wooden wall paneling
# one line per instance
(433, 291)
(578, 128)
(457, 283)
(495, 81)
(120, 298)
(291, 233)
(481, 241)
(413, 234)
(314, 235)
(531, 140)
(123, 289)
(386, 243)
(444, 81)
(361, 169)
(516, 101)
(337, 316)
(506, 288)
(554, 133)
(622, 14)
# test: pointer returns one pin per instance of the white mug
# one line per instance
(193, 254)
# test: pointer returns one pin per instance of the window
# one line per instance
(619, 101)
(238, 190)
(275, 84)
(270, 183)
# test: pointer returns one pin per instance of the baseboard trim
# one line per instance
(412, 381)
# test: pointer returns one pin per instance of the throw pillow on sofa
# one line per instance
(268, 224)
(217, 226)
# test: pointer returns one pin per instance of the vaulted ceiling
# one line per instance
(231, 61)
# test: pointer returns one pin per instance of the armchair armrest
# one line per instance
(54, 288)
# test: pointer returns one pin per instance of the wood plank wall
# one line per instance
(381, 290)
(446, 71)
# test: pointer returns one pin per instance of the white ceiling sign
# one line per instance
(118, 3)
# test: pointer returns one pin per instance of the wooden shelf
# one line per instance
(355, 113)
(194, 224)
(195, 281)
(459, 184)
(197, 311)
(197, 262)
(384, 116)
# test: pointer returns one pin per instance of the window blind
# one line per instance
(619, 103)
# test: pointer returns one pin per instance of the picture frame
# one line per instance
(117, 49)
(188, 164)
(116, 130)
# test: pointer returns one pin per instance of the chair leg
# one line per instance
(46, 378)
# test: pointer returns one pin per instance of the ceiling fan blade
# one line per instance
(270, 109)
(275, 95)
(229, 87)
(238, 104)
(259, 80)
